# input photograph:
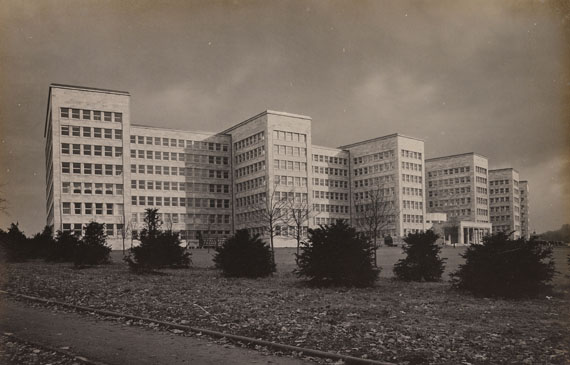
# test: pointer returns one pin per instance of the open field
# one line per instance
(393, 321)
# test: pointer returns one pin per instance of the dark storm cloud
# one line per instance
(465, 76)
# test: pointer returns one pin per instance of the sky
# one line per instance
(491, 77)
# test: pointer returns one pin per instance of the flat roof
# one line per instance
(504, 169)
(265, 112)
(378, 139)
(86, 88)
(456, 155)
(332, 149)
(175, 130)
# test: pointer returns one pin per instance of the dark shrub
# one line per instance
(158, 249)
(389, 241)
(244, 256)
(422, 262)
(14, 244)
(62, 249)
(42, 242)
(502, 267)
(92, 248)
(337, 255)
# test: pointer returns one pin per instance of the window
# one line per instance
(64, 113)
(87, 149)
(118, 134)
(109, 189)
(76, 131)
(65, 148)
(119, 117)
(76, 168)
(109, 208)
(89, 208)
(87, 114)
(98, 169)
(65, 187)
(66, 207)
(75, 113)
(65, 130)
(96, 115)
(97, 132)
(76, 149)
(65, 167)
(98, 150)
(98, 188)
(87, 169)
(109, 229)
(107, 116)
(108, 151)
(108, 133)
(108, 169)
(118, 151)
(99, 208)
(77, 208)
(87, 188)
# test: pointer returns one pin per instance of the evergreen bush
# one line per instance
(92, 249)
(337, 255)
(62, 249)
(504, 267)
(244, 256)
(14, 244)
(158, 249)
(422, 262)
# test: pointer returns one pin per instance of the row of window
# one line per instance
(330, 171)
(412, 178)
(412, 191)
(77, 228)
(374, 157)
(279, 149)
(496, 218)
(375, 194)
(89, 150)
(290, 180)
(251, 154)
(499, 199)
(289, 136)
(91, 115)
(330, 159)
(186, 218)
(482, 201)
(182, 171)
(481, 170)
(167, 201)
(76, 131)
(387, 166)
(411, 166)
(328, 208)
(412, 154)
(290, 165)
(374, 181)
(250, 200)
(412, 204)
(173, 156)
(250, 169)
(483, 212)
(499, 191)
(331, 195)
(91, 188)
(173, 142)
(451, 181)
(502, 208)
(459, 212)
(413, 218)
(481, 190)
(324, 220)
(447, 192)
(248, 141)
(250, 184)
(331, 183)
(378, 209)
(91, 208)
(449, 202)
(179, 186)
(291, 196)
(481, 180)
(91, 169)
(455, 170)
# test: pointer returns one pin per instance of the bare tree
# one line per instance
(375, 212)
(299, 212)
(125, 231)
(269, 212)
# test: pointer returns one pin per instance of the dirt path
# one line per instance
(117, 343)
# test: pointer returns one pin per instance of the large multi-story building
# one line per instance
(525, 208)
(504, 197)
(458, 186)
(101, 167)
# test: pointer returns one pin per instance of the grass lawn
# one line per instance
(393, 321)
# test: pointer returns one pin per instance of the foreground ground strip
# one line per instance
(396, 322)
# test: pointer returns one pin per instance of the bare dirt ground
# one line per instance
(411, 323)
